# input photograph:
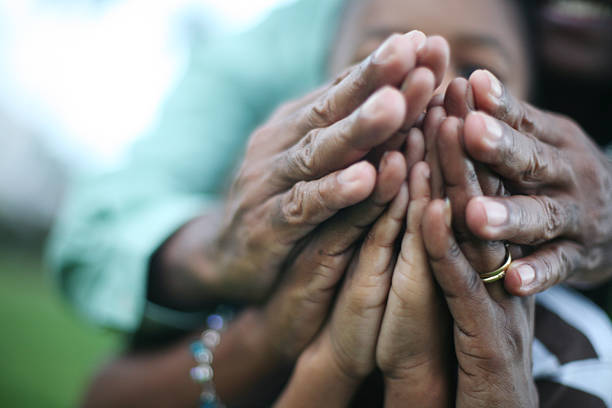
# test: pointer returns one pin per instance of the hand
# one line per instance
(483, 324)
(343, 354)
(304, 166)
(561, 185)
(492, 330)
(299, 306)
(413, 347)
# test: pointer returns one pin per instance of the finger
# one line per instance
(418, 88)
(316, 270)
(434, 118)
(369, 281)
(388, 65)
(460, 185)
(413, 284)
(415, 148)
(463, 289)
(459, 102)
(529, 220)
(551, 264)
(436, 100)
(359, 309)
(513, 155)
(435, 56)
(413, 305)
(292, 215)
(322, 151)
(326, 256)
(459, 98)
(493, 98)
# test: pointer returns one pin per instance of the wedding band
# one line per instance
(499, 273)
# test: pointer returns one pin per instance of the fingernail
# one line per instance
(527, 274)
(493, 132)
(384, 52)
(495, 90)
(419, 37)
(447, 212)
(351, 174)
(497, 214)
(372, 105)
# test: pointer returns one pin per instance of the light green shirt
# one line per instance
(110, 226)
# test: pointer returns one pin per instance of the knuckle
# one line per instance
(292, 209)
(554, 218)
(453, 252)
(303, 160)
(537, 167)
(525, 122)
(472, 284)
(323, 111)
(547, 272)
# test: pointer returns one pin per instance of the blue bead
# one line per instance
(196, 348)
(215, 322)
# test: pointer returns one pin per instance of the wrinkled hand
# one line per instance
(343, 354)
(561, 185)
(492, 330)
(299, 306)
(295, 176)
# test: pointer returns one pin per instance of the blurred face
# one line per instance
(481, 33)
(577, 37)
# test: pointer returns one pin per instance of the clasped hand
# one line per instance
(331, 181)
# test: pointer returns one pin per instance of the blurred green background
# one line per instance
(47, 353)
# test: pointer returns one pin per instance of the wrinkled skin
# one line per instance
(561, 185)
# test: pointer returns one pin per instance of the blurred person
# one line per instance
(116, 233)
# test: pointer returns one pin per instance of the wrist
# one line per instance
(245, 369)
(182, 272)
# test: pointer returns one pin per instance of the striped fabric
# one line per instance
(572, 352)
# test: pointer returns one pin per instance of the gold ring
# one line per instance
(499, 273)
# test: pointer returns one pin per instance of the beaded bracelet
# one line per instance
(202, 351)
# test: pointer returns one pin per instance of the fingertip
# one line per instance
(392, 167)
(418, 38)
(436, 55)
(434, 228)
(512, 283)
(422, 77)
(358, 180)
(476, 218)
(400, 202)
(474, 128)
(391, 175)
(458, 100)
(415, 147)
(487, 90)
(386, 107)
(521, 279)
(417, 89)
(398, 54)
(420, 176)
